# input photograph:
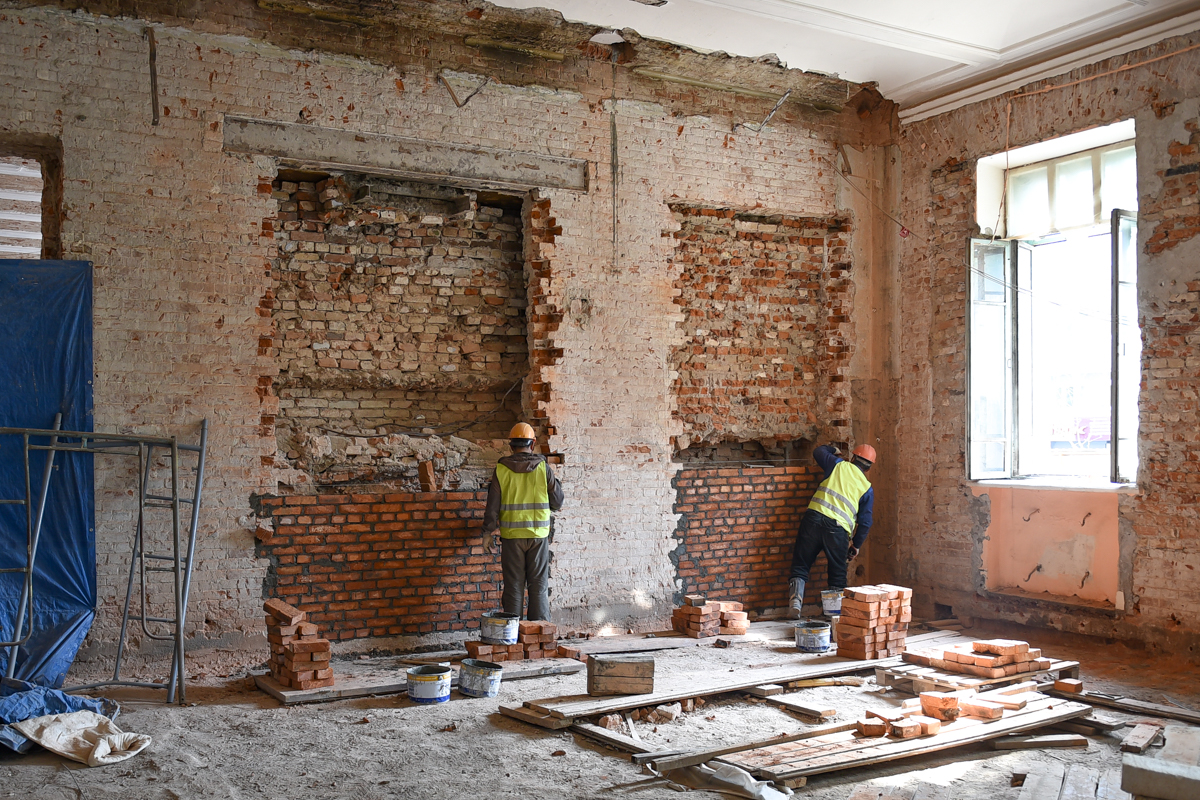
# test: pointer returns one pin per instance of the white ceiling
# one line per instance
(927, 55)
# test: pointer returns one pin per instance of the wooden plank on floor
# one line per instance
(633, 644)
(1131, 706)
(534, 717)
(1044, 784)
(702, 756)
(1139, 738)
(1019, 742)
(345, 687)
(617, 741)
(963, 731)
(1109, 787)
(821, 667)
(927, 791)
(793, 704)
(1080, 783)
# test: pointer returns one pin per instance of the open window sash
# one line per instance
(1127, 347)
(992, 299)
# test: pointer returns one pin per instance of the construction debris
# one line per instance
(874, 621)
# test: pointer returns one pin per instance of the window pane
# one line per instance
(1074, 198)
(990, 360)
(1118, 182)
(1072, 359)
(1129, 352)
(1028, 203)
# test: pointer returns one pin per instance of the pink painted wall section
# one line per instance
(1072, 535)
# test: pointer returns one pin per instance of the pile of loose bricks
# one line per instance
(299, 656)
(989, 658)
(534, 640)
(700, 617)
(874, 621)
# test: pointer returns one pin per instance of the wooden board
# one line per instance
(1139, 738)
(633, 644)
(1131, 706)
(845, 751)
(1019, 742)
(1080, 783)
(617, 741)
(385, 677)
(534, 718)
(1109, 787)
(1045, 784)
(792, 703)
(820, 667)
(916, 679)
(702, 756)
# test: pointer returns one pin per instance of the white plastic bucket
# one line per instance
(831, 601)
(429, 684)
(812, 636)
(499, 628)
(479, 678)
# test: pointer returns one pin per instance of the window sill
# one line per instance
(1053, 602)
(1067, 483)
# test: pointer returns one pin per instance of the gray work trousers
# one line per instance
(526, 564)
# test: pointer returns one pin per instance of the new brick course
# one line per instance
(736, 531)
(405, 564)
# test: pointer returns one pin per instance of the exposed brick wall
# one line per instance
(184, 294)
(758, 294)
(394, 313)
(942, 524)
(382, 565)
(737, 527)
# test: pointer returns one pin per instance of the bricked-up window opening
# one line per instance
(1054, 341)
(400, 328)
(20, 208)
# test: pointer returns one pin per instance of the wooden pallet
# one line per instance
(847, 750)
(916, 679)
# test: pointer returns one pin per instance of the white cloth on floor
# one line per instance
(726, 779)
(83, 736)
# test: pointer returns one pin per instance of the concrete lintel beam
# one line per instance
(311, 147)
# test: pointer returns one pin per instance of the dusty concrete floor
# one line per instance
(236, 742)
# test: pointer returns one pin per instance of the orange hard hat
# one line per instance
(524, 431)
(865, 452)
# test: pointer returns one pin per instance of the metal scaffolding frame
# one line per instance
(181, 561)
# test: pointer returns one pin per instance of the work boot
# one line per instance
(796, 598)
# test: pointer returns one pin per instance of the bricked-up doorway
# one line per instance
(400, 328)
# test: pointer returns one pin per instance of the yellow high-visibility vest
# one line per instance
(524, 503)
(838, 495)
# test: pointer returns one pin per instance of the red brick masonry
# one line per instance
(382, 565)
(737, 529)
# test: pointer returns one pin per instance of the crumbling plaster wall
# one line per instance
(174, 226)
(941, 526)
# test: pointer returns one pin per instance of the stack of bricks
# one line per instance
(700, 618)
(299, 656)
(874, 621)
(534, 640)
(989, 658)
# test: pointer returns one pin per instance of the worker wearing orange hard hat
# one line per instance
(521, 496)
(837, 521)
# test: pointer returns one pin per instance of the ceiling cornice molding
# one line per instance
(854, 27)
(1134, 40)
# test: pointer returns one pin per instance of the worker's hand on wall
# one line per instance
(852, 553)
(496, 543)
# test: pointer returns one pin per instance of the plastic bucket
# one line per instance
(831, 601)
(479, 678)
(499, 628)
(430, 684)
(812, 636)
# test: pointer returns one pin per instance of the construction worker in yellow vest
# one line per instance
(837, 521)
(522, 493)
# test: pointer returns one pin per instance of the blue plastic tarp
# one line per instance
(20, 700)
(45, 369)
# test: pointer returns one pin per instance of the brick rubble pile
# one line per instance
(700, 617)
